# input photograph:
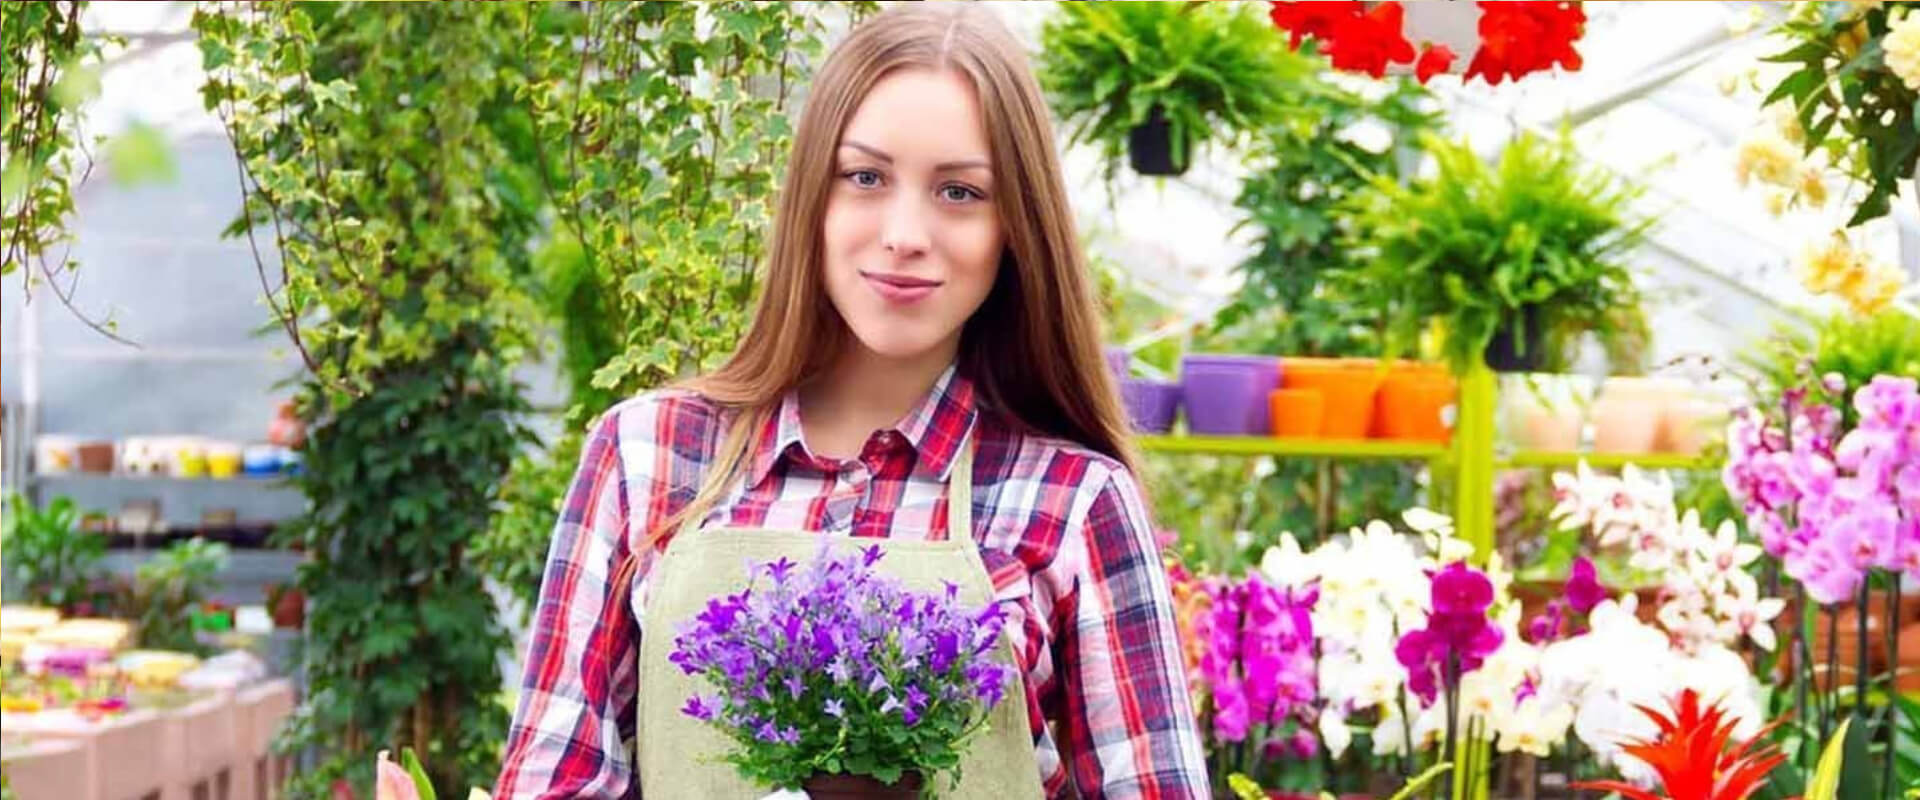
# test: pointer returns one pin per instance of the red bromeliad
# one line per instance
(1692, 757)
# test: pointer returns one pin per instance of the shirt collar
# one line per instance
(936, 428)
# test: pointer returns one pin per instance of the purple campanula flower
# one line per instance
(834, 708)
(698, 708)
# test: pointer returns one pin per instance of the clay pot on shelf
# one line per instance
(1295, 413)
(1543, 411)
(1628, 412)
(95, 457)
(56, 455)
(1690, 421)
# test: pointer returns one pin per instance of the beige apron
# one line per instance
(677, 756)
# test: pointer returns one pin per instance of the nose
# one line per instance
(904, 231)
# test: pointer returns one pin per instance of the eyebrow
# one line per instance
(967, 163)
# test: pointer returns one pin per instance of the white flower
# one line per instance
(1902, 46)
(1423, 521)
(1334, 733)
(1285, 565)
(1745, 614)
(1534, 728)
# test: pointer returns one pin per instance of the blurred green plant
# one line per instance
(169, 587)
(1217, 72)
(48, 558)
(1306, 166)
(1536, 242)
(1855, 348)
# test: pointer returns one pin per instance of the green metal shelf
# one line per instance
(1537, 458)
(1300, 448)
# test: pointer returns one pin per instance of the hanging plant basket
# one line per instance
(1518, 348)
(1150, 146)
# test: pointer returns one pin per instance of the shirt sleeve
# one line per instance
(1128, 724)
(576, 707)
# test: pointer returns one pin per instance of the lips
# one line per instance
(900, 289)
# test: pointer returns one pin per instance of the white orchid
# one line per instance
(1745, 613)
(1534, 727)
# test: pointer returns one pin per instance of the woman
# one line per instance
(923, 368)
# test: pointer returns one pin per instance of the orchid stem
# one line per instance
(1860, 655)
(1892, 625)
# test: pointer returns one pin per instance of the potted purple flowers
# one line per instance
(836, 679)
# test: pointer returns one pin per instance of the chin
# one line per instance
(897, 342)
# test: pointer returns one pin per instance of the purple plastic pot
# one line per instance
(1150, 404)
(1226, 394)
(1119, 360)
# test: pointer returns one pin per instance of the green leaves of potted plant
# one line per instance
(1162, 79)
(1514, 256)
(45, 550)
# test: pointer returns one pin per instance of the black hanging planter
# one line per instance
(1150, 146)
(1521, 350)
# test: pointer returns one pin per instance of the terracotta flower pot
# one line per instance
(1846, 646)
(862, 787)
(1627, 414)
(1347, 390)
(1295, 413)
(95, 457)
(1688, 422)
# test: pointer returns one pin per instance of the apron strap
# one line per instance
(960, 492)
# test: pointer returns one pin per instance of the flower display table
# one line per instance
(217, 746)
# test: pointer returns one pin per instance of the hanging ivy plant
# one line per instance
(666, 127)
(381, 151)
(49, 70)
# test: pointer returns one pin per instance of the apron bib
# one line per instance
(676, 755)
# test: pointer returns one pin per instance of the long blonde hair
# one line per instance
(1032, 349)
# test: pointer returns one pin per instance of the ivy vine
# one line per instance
(668, 125)
(49, 69)
(381, 154)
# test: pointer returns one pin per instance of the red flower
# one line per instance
(1434, 59)
(1318, 20)
(1688, 756)
(1522, 36)
(1368, 42)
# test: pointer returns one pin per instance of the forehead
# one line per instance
(921, 115)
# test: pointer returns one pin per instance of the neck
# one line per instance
(863, 392)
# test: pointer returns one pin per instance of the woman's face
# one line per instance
(912, 237)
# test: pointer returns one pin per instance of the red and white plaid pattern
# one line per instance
(1063, 530)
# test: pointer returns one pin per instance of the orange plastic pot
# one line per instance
(1412, 404)
(1346, 389)
(1295, 413)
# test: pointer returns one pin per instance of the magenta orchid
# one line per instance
(1458, 636)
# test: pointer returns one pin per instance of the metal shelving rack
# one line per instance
(1470, 457)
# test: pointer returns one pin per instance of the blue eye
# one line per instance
(957, 193)
(863, 178)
